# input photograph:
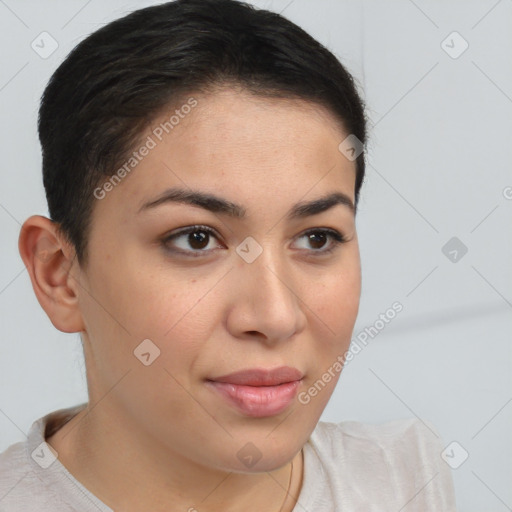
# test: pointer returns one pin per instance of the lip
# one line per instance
(258, 392)
(261, 376)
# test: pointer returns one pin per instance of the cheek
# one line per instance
(145, 299)
(337, 302)
(336, 308)
(122, 312)
(175, 309)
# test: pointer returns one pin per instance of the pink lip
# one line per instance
(261, 377)
(259, 393)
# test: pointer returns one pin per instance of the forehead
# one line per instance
(239, 119)
(238, 144)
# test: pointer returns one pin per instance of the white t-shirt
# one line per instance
(348, 467)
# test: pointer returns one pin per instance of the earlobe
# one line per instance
(53, 272)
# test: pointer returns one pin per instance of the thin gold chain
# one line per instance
(288, 490)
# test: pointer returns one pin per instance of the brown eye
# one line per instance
(317, 240)
(198, 239)
(192, 241)
(320, 241)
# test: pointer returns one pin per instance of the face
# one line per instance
(221, 248)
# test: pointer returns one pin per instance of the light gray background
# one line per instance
(439, 166)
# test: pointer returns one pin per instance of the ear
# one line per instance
(53, 270)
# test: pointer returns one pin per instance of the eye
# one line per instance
(320, 240)
(192, 241)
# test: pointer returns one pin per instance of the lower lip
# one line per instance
(258, 401)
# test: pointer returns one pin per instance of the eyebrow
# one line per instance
(220, 205)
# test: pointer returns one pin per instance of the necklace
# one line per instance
(287, 490)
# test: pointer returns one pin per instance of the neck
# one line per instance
(127, 471)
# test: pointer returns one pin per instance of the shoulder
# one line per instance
(18, 482)
(12, 462)
(400, 460)
(372, 439)
(30, 474)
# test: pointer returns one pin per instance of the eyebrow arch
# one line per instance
(195, 198)
(307, 208)
(217, 204)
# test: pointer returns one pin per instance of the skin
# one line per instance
(157, 435)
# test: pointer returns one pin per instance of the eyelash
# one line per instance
(336, 237)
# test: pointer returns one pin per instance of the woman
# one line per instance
(202, 162)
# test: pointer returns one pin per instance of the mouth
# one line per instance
(258, 392)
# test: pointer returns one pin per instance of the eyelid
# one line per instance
(330, 231)
(186, 230)
(190, 229)
(337, 238)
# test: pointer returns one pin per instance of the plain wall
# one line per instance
(439, 166)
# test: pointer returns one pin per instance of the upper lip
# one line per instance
(261, 376)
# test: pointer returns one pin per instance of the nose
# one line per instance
(266, 302)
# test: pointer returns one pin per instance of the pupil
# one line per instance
(198, 239)
(317, 240)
